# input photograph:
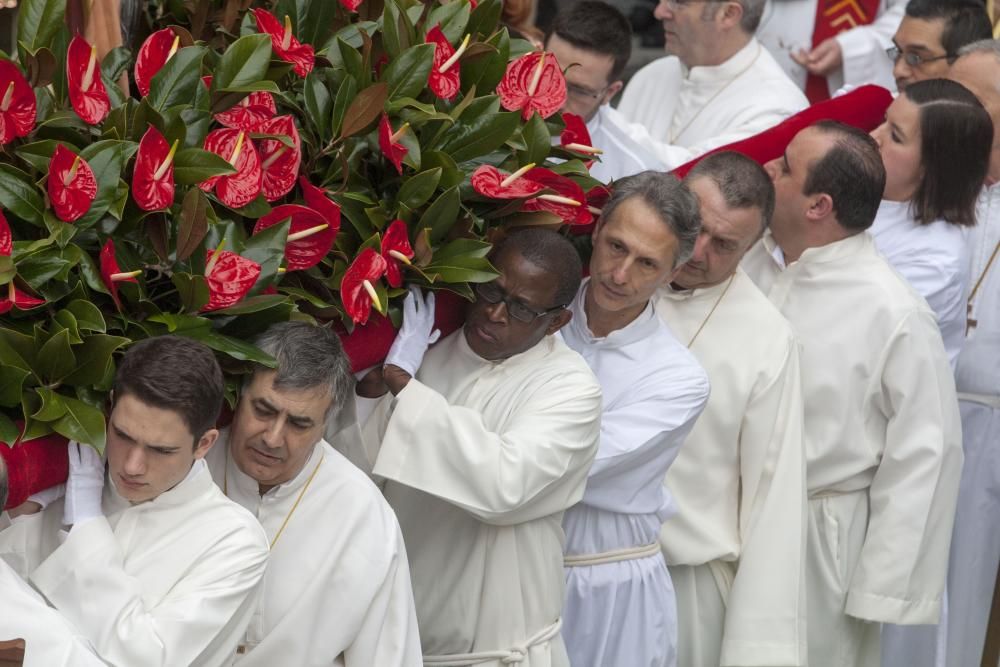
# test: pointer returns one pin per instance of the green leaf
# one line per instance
(537, 139)
(19, 195)
(462, 248)
(345, 95)
(116, 62)
(362, 112)
(485, 69)
(107, 160)
(461, 270)
(353, 64)
(194, 165)
(451, 175)
(38, 21)
(351, 34)
(478, 132)
(417, 189)
(94, 355)
(39, 153)
(192, 290)
(253, 304)
(78, 421)
(56, 359)
(17, 350)
(64, 319)
(88, 316)
(453, 19)
(177, 80)
(60, 232)
(267, 248)
(407, 73)
(440, 216)
(397, 31)
(485, 17)
(237, 349)
(8, 430)
(177, 323)
(244, 63)
(193, 223)
(318, 102)
(11, 386)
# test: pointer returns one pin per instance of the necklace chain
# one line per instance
(712, 311)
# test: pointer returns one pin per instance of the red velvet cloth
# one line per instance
(34, 465)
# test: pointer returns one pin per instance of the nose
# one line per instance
(619, 274)
(878, 133)
(135, 462)
(901, 72)
(700, 245)
(772, 169)
(272, 434)
(663, 11)
(497, 312)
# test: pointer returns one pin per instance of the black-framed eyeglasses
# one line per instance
(913, 59)
(584, 93)
(493, 293)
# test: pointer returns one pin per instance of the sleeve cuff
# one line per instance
(885, 609)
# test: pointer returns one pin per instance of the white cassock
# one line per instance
(883, 443)
(620, 607)
(787, 26)
(481, 459)
(736, 548)
(623, 155)
(934, 259)
(167, 582)
(680, 112)
(50, 640)
(337, 587)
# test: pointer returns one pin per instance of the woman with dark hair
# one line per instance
(935, 144)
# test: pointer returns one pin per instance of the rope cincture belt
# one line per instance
(510, 656)
(614, 556)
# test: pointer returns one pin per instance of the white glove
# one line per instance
(85, 484)
(48, 496)
(416, 334)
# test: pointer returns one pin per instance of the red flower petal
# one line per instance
(444, 85)
(71, 184)
(109, 268)
(240, 188)
(284, 43)
(370, 266)
(317, 200)
(250, 113)
(153, 55)
(279, 163)
(395, 152)
(351, 5)
(487, 181)
(515, 89)
(396, 239)
(17, 103)
(17, 299)
(6, 239)
(564, 187)
(575, 132)
(306, 252)
(230, 279)
(150, 189)
(86, 89)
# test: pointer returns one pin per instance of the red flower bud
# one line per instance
(444, 78)
(279, 162)
(491, 182)
(357, 290)
(388, 142)
(71, 184)
(17, 299)
(284, 43)
(241, 188)
(229, 279)
(396, 250)
(568, 202)
(6, 239)
(111, 274)
(249, 113)
(86, 89)
(310, 237)
(153, 176)
(532, 83)
(153, 55)
(17, 103)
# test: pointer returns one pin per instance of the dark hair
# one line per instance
(851, 173)
(956, 136)
(965, 21)
(673, 203)
(742, 182)
(177, 374)
(551, 251)
(598, 27)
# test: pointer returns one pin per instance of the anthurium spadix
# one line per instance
(310, 236)
(397, 251)
(284, 43)
(153, 176)
(239, 189)
(229, 277)
(357, 290)
(87, 93)
(17, 104)
(16, 298)
(111, 273)
(533, 83)
(388, 142)
(153, 55)
(71, 184)
(444, 78)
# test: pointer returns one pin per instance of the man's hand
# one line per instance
(85, 484)
(372, 385)
(416, 334)
(823, 60)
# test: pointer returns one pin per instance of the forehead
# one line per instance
(524, 280)
(635, 218)
(310, 402)
(808, 146)
(917, 34)
(720, 219)
(979, 72)
(148, 423)
(587, 66)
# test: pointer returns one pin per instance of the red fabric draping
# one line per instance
(34, 465)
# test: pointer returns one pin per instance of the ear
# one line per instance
(820, 207)
(731, 15)
(561, 319)
(611, 91)
(205, 443)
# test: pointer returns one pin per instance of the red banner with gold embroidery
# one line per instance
(832, 18)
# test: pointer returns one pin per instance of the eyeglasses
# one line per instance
(674, 5)
(912, 59)
(582, 93)
(493, 293)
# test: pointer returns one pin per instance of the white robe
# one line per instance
(167, 582)
(623, 613)
(623, 155)
(739, 483)
(883, 442)
(787, 26)
(680, 113)
(934, 259)
(481, 460)
(337, 587)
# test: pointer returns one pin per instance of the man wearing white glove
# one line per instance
(485, 440)
(156, 567)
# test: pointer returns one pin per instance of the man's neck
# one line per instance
(793, 248)
(603, 322)
(728, 45)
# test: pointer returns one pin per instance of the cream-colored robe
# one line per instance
(480, 460)
(739, 483)
(883, 442)
(163, 583)
(337, 587)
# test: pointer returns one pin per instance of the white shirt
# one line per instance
(979, 365)
(880, 414)
(739, 482)
(623, 156)
(337, 587)
(481, 460)
(934, 260)
(166, 582)
(684, 112)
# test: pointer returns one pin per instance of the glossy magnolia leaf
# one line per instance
(467, 248)
(419, 188)
(364, 109)
(235, 348)
(345, 95)
(407, 74)
(243, 64)
(537, 140)
(76, 421)
(179, 324)
(192, 290)
(55, 358)
(95, 357)
(106, 160)
(39, 153)
(194, 165)
(484, 18)
(475, 135)
(319, 104)
(178, 80)
(253, 304)
(440, 216)
(18, 195)
(267, 248)
(452, 18)
(38, 21)
(11, 386)
(88, 316)
(193, 224)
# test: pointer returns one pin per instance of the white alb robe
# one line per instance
(680, 112)
(739, 484)
(623, 613)
(934, 259)
(787, 26)
(623, 156)
(481, 459)
(167, 582)
(883, 442)
(337, 587)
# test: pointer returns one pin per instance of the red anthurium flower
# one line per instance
(279, 162)
(153, 176)
(86, 90)
(240, 188)
(153, 55)
(252, 111)
(576, 138)
(491, 182)
(350, 5)
(18, 299)
(357, 291)
(317, 200)
(444, 77)
(111, 274)
(310, 236)
(17, 103)
(229, 278)
(532, 83)
(396, 250)
(71, 184)
(284, 43)
(6, 239)
(388, 141)
(597, 197)
(569, 202)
